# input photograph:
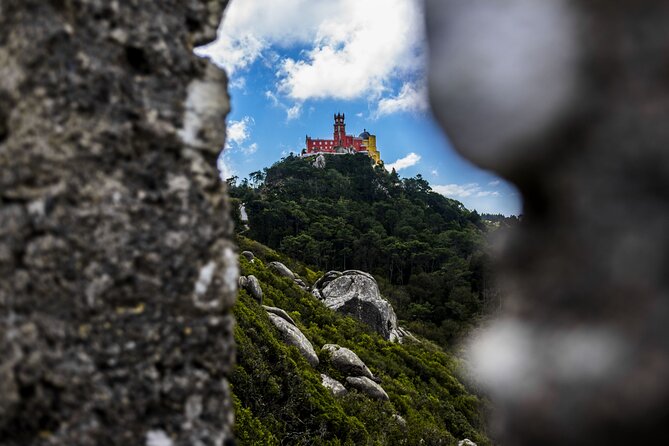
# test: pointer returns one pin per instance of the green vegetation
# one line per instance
(279, 398)
(426, 251)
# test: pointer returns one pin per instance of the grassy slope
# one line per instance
(279, 398)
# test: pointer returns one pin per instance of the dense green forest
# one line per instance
(427, 252)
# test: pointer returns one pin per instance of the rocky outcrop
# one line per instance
(367, 386)
(293, 336)
(356, 293)
(319, 162)
(333, 385)
(279, 312)
(116, 262)
(345, 361)
(281, 269)
(252, 285)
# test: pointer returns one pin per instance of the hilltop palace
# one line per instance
(342, 143)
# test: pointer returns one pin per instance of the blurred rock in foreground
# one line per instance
(116, 265)
(569, 100)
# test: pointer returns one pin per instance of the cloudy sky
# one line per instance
(294, 63)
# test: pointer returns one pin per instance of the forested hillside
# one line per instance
(426, 251)
(279, 396)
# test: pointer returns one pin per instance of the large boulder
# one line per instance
(252, 285)
(281, 269)
(356, 293)
(367, 386)
(333, 385)
(279, 312)
(346, 361)
(293, 336)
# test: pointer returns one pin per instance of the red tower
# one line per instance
(339, 130)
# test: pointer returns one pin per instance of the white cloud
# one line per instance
(402, 163)
(238, 134)
(238, 131)
(238, 83)
(251, 149)
(272, 97)
(294, 112)
(435, 173)
(494, 183)
(464, 190)
(411, 98)
(224, 165)
(353, 48)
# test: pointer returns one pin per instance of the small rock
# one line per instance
(252, 285)
(293, 336)
(301, 283)
(466, 442)
(248, 255)
(367, 386)
(281, 270)
(400, 420)
(279, 312)
(346, 361)
(333, 385)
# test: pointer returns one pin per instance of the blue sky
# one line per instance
(293, 64)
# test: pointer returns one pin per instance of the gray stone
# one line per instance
(401, 421)
(367, 386)
(579, 126)
(333, 385)
(466, 442)
(319, 162)
(301, 283)
(117, 266)
(279, 312)
(356, 293)
(252, 285)
(325, 279)
(248, 255)
(293, 336)
(346, 361)
(281, 269)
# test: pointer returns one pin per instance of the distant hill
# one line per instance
(427, 252)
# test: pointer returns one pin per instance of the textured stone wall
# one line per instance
(569, 100)
(117, 270)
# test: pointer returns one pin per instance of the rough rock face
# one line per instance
(293, 336)
(319, 162)
(279, 312)
(281, 270)
(333, 385)
(252, 285)
(578, 123)
(367, 386)
(356, 293)
(117, 269)
(346, 361)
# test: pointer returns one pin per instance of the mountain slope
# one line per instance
(279, 397)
